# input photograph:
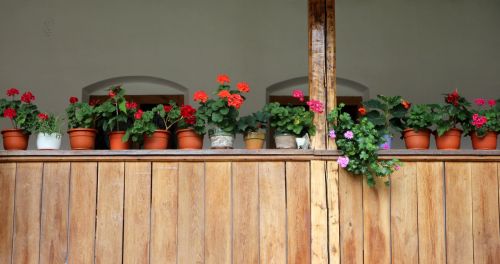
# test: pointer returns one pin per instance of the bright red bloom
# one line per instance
(73, 100)
(298, 94)
(27, 97)
(190, 120)
(200, 96)
(12, 92)
(243, 87)
(479, 101)
(362, 111)
(187, 111)
(235, 100)
(224, 94)
(43, 116)
(138, 114)
(492, 102)
(478, 121)
(167, 108)
(406, 104)
(315, 106)
(112, 94)
(131, 105)
(453, 98)
(9, 113)
(223, 79)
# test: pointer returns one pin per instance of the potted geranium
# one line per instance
(190, 129)
(448, 118)
(253, 129)
(22, 114)
(48, 127)
(484, 124)
(221, 113)
(81, 124)
(418, 122)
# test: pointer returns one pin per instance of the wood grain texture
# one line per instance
(272, 206)
(298, 212)
(459, 241)
(404, 208)
(27, 213)
(332, 183)
(376, 222)
(137, 212)
(245, 212)
(485, 212)
(54, 221)
(431, 226)
(7, 187)
(191, 212)
(109, 229)
(82, 212)
(218, 216)
(331, 65)
(164, 212)
(319, 213)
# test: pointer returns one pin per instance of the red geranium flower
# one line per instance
(138, 114)
(479, 101)
(187, 111)
(243, 87)
(235, 100)
(167, 108)
(12, 92)
(200, 96)
(362, 111)
(190, 120)
(112, 94)
(223, 79)
(9, 113)
(73, 100)
(406, 104)
(131, 105)
(43, 116)
(27, 97)
(492, 102)
(453, 98)
(224, 94)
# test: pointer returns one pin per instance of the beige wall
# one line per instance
(417, 49)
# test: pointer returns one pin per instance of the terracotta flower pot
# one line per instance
(189, 139)
(417, 139)
(82, 138)
(115, 141)
(488, 142)
(449, 140)
(15, 139)
(255, 140)
(158, 140)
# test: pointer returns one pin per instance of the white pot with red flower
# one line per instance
(49, 132)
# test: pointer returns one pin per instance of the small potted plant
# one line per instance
(22, 114)
(386, 113)
(253, 129)
(81, 124)
(484, 124)
(417, 122)
(190, 129)
(221, 113)
(48, 127)
(447, 118)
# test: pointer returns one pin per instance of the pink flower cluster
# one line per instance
(482, 101)
(298, 94)
(343, 161)
(315, 106)
(332, 134)
(478, 121)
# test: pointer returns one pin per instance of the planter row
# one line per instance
(450, 140)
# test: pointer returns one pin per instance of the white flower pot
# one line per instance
(48, 141)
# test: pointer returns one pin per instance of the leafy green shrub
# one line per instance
(387, 113)
(419, 117)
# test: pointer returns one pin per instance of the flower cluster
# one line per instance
(131, 105)
(405, 104)
(73, 100)
(188, 114)
(453, 98)
(200, 96)
(9, 113)
(315, 106)
(478, 121)
(12, 92)
(343, 161)
(298, 94)
(138, 114)
(43, 116)
(362, 111)
(482, 101)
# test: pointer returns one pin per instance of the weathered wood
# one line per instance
(245, 212)
(331, 65)
(164, 212)
(137, 212)
(431, 226)
(109, 229)
(459, 240)
(54, 220)
(485, 212)
(332, 184)
(319, 213)
(191, 212)
(27, 213)
(218, 217)
(298, 212)
(404, 210)
(82, 212)
(7, 187)
(272, 212)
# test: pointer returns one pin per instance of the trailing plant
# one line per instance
(47, 124)
(453, 113)
(80, 114)
(486, 118)
(22, 113)
(115, 114)
(359, 143)
(386, 113)
(419, 117)
(253, 123)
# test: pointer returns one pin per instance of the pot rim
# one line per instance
(434, 132)
(117, 132)
(14, 130)
(475, 133)
(415, 130)
(81, 129)
(186, 130)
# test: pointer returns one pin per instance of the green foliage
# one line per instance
(362, 148)
(26, 114)
(253, 122)
(48, 126)
(419, 117)
(113, 114)
(81, 115)
(216, 113)
(292, 120)
(492, 115)
(386, 113)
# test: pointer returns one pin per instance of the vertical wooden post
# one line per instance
(331, 65)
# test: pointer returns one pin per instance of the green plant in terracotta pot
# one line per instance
(22, 114)
(253, 128)
(484, 124)
(418, 121)
(82, 118)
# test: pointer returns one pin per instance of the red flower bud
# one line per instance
(27, 97)
(9, 113)
(12, 92)
(73, 100)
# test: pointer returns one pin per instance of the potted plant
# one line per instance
(447, 118)
(359, 143)
(484, 124)
(115, 115)
(417, 122)
(81, 124)
(253, 129)
(221, 113)
(48, 127)
(386, 113)
(22, 114)
(190, 129)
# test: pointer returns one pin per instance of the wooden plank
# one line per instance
(319, 213)
(55, 205)
(351, 217)
(459, 242)
(137, 212)
(164, 212)
(27, 213)
(298, 212)
(404, 210)
(245, 212)
(376, 222)
(218, 212)
(331, 65)
(332, 183)
(7, 187)
(485, 212)
(431, 226)
(272, 206)
(82, 212)
(191, 212)
(109, 229)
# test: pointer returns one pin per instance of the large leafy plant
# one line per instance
(452, 113)
(295, 120)
(80, 114)
(387, 113)
(485, 118)
(359, 143)
(115, 114)
(254, 122)
(22, 113)
(47, 124)
(419, 117)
